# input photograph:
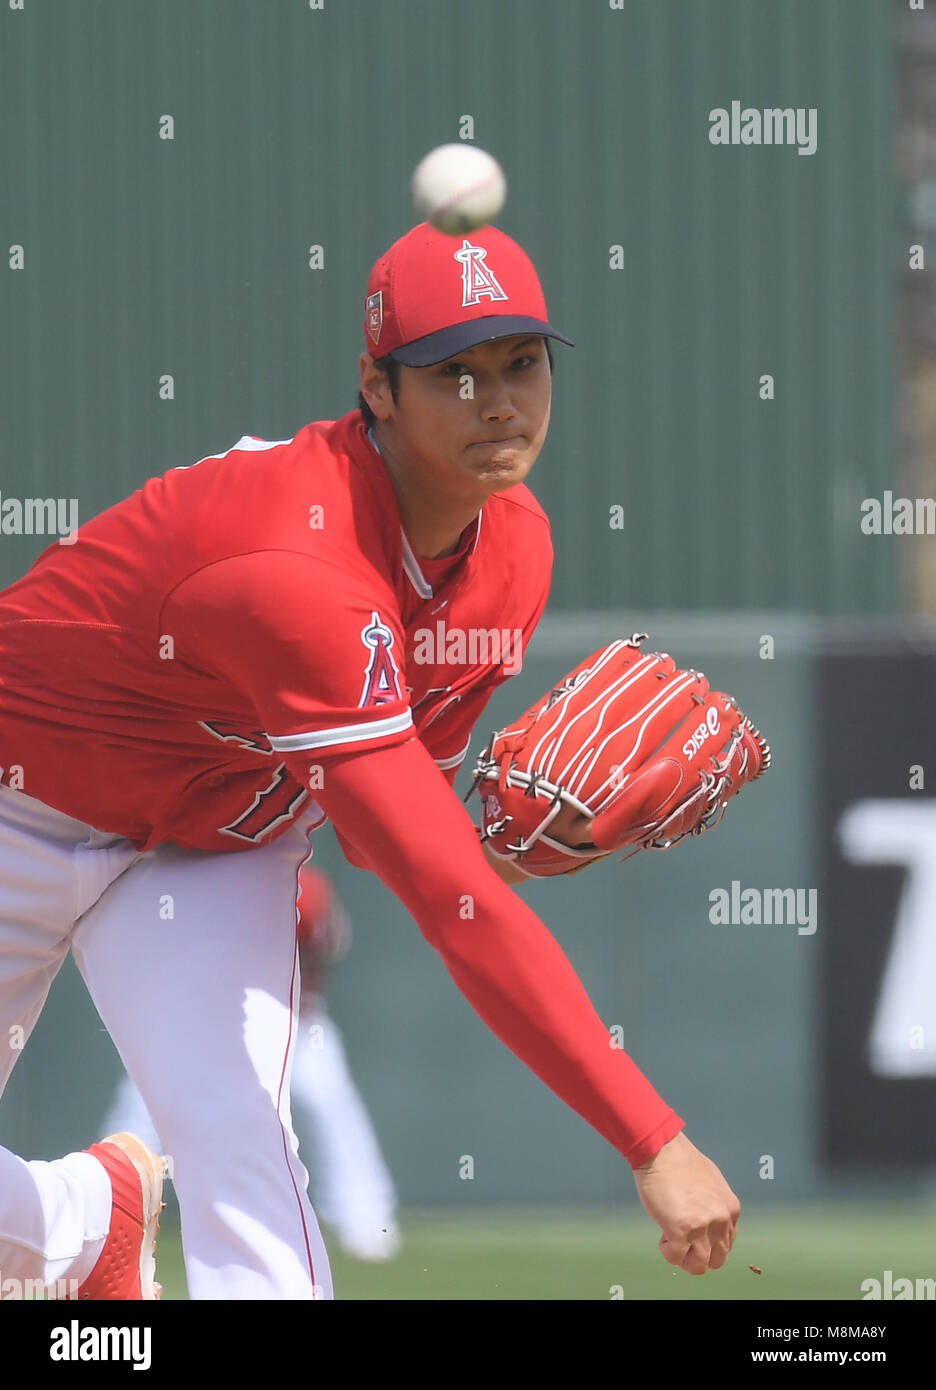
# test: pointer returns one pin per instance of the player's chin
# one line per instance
(501, 466)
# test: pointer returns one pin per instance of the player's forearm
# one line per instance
(506, 871)
(500, 955)
(519, 980)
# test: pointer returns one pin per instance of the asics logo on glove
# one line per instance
(703, 733)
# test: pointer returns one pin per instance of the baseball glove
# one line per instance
(645, 750)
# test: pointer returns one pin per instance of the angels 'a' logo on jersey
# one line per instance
(382, 681)
(478, 280)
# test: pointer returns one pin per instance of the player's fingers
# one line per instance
(697, 1260)
(697, 1257)
(673, 1251)
(706, 1251)
(723, 1233)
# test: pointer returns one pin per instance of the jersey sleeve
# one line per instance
(316, 647)
(449, 738)
(506, 963)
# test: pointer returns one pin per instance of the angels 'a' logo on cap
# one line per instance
(478, 280)
(373, 309)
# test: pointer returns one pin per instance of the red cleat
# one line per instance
(126, 1267)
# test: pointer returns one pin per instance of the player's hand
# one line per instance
(572, 827)
(690, 1201)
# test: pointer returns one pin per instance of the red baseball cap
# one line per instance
(432, 295)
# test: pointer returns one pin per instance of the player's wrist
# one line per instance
(672, 1148)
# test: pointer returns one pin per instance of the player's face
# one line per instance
(474, 424)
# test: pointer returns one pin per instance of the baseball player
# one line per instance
(284, 632)
(350, 1184)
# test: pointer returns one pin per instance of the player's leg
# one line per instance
(53, 1216)
(191, 961)
(37, 912)
(128, 1114)
(54, 1219)
(354, 1191)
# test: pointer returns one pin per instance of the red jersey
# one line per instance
(260, 603)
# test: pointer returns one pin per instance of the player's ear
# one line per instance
(375, 387)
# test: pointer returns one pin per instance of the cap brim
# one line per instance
(448, 342)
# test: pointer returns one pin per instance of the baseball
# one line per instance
(458, 188)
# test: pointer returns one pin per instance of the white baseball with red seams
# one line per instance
(458, 188)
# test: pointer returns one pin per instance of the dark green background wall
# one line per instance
(297, 127)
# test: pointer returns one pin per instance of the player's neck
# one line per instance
(433, 521)
(431, 536)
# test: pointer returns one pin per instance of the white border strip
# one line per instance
(447, 763)
(348, 733)
(247, 444)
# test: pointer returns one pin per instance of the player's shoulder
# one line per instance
(311, 487)
(327, 445)
(270, 518)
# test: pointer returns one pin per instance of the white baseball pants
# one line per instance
(190, 958)
(351, 1186)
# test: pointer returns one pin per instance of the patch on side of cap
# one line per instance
(478, 279)
(373, 308)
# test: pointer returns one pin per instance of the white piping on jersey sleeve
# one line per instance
(413, 573)
(348, 733)
(411, 565)
(446, 764)
(248, 443)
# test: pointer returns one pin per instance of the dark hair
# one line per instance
(391, 370)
